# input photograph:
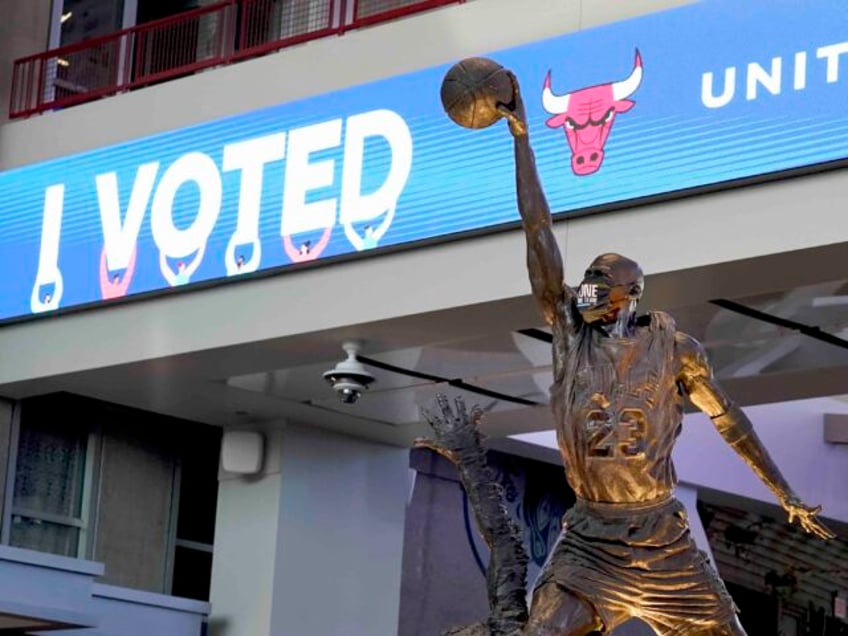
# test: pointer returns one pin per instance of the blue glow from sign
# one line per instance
(717, 92)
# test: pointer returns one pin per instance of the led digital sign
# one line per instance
(704, 94)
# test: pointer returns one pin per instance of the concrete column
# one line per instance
(313, 545)
(244, 558)
(24, 29)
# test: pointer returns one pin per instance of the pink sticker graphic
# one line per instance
(587, 116)
(115, 286)
(307, 251)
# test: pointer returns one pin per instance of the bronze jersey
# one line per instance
(618, 412)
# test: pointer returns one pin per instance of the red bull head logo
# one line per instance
(587, 116)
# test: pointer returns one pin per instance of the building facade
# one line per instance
(175, 463)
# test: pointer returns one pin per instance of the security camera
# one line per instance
(349, 378)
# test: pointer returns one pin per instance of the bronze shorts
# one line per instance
(638, 561)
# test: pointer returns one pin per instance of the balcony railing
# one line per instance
(183, 44)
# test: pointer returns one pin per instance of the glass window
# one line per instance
(147, 484)
(47, 509)
(36, 534)
(198, 496)
(157, 9)
(192, 573)
(87, 19)
(199, 493)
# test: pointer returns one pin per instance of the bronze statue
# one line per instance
(620, 381)
(458, 439)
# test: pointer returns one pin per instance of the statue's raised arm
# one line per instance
(544, 261)
(476, 93)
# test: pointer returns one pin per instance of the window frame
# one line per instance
(54, 41)
(89, 487)
(174, 541)
(94, 434)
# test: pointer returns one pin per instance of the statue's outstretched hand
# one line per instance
(515, 113)
(453, 428)
(806, 517)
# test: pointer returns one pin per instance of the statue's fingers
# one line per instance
(476, 414)
(508, 113)
(821, 530)
(461, 409)
(516, 123)
(824, 534)
(428, 415)
(811, 527)
(444, 404)
(516, 89)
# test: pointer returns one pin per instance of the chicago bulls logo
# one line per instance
(587, 116)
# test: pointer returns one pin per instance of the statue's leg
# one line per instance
(557, 612)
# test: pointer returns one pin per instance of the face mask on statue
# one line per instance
(609, 291)
(593, 299)
(598, 301)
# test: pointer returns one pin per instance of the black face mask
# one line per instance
(592, 297)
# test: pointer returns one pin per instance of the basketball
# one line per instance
(472, 89)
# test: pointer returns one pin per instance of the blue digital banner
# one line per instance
(707, 93)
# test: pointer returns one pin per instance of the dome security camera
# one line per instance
(349, 378)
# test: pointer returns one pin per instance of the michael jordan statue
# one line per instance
(620, 381)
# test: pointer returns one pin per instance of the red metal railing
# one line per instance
(183, 44)
(186, 43)
(67, 76)
(270, 25)
(126, 59)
